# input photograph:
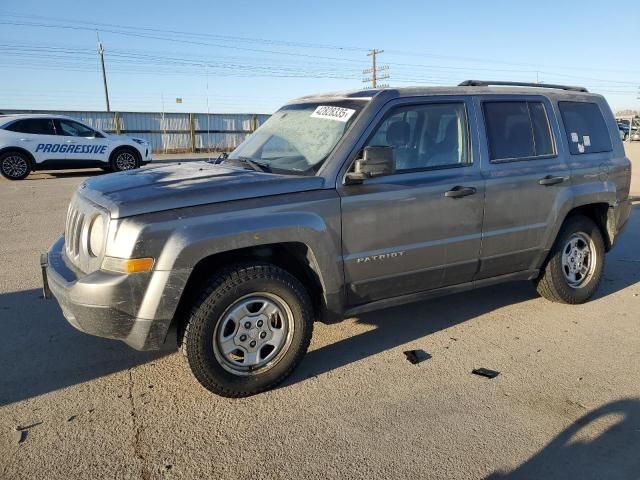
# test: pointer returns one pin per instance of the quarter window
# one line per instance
(425, 136)
(517, 130)
(35, 126)
(585, 127)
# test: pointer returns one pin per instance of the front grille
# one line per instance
(79, 216)
(75, 221)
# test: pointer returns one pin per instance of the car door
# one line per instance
(527, 180)
(419, 228)
(36, 135)
(80, 144)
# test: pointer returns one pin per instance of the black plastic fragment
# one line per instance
(485, 372)
(417, 356)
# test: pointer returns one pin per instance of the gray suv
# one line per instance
(338, 205)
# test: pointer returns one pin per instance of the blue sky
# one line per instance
(241, 56)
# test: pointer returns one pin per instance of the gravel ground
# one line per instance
(565, 405)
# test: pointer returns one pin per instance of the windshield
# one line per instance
(298, 138)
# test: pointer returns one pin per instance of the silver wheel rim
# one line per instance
(125, 161)
(15, 166)
(254, 333)
(578, 260)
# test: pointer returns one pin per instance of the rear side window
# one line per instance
(585, 127)
(517, 130)
(36, 126)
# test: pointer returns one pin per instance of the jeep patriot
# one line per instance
(341, 204)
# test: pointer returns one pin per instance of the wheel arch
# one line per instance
(599, 211)
(295, 257)
(120, 148)
(601, 214)
(24, 151)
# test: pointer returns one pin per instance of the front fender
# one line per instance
(180, 239)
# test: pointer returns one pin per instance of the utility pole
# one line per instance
(104, 73)
(375, 71)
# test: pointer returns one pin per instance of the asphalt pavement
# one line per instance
(566, 403)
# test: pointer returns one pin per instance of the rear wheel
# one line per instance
(249, 330)
(574, 267)
(15, 165)
(124, 159)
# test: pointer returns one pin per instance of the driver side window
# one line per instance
(74, 129)
(425, 136)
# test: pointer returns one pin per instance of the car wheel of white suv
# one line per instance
(124, 159)
(15, 165)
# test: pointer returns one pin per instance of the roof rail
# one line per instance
(483, 83)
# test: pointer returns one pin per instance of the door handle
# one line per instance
(551, 180)
(459, 192)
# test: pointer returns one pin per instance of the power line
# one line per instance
(174, 35)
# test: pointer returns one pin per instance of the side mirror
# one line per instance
(375, 162)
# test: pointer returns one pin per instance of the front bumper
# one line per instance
(108, 304)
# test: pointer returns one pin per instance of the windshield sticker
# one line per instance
(586, 140)
(339, 114)
(574, 137)
(581, 148)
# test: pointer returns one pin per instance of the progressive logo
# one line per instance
(66, 148)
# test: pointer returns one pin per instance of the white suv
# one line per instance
(54, 142)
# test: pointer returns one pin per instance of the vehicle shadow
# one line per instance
(40, 352)
(613, 454)
(622, 267)
(400, 325)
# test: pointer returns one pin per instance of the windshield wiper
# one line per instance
(257, 166)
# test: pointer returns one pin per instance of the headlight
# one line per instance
(96, 236)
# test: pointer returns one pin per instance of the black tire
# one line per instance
(207, 319)
(124, 159)
(15, 165)
(554, 283)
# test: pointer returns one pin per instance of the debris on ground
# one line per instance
(27, 427)
(20, 435)
(485, 372)
(21, 432)
(417, 356)
(72, 418)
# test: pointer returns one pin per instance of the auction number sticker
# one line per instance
(339, 114)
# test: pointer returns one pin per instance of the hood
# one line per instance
(179, 185)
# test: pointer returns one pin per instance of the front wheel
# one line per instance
(124, 159)
(575, 264)
(249, 330)
(14, 166)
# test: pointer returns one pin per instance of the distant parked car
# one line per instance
(55, 142)
(635, 135)
(624, 131)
